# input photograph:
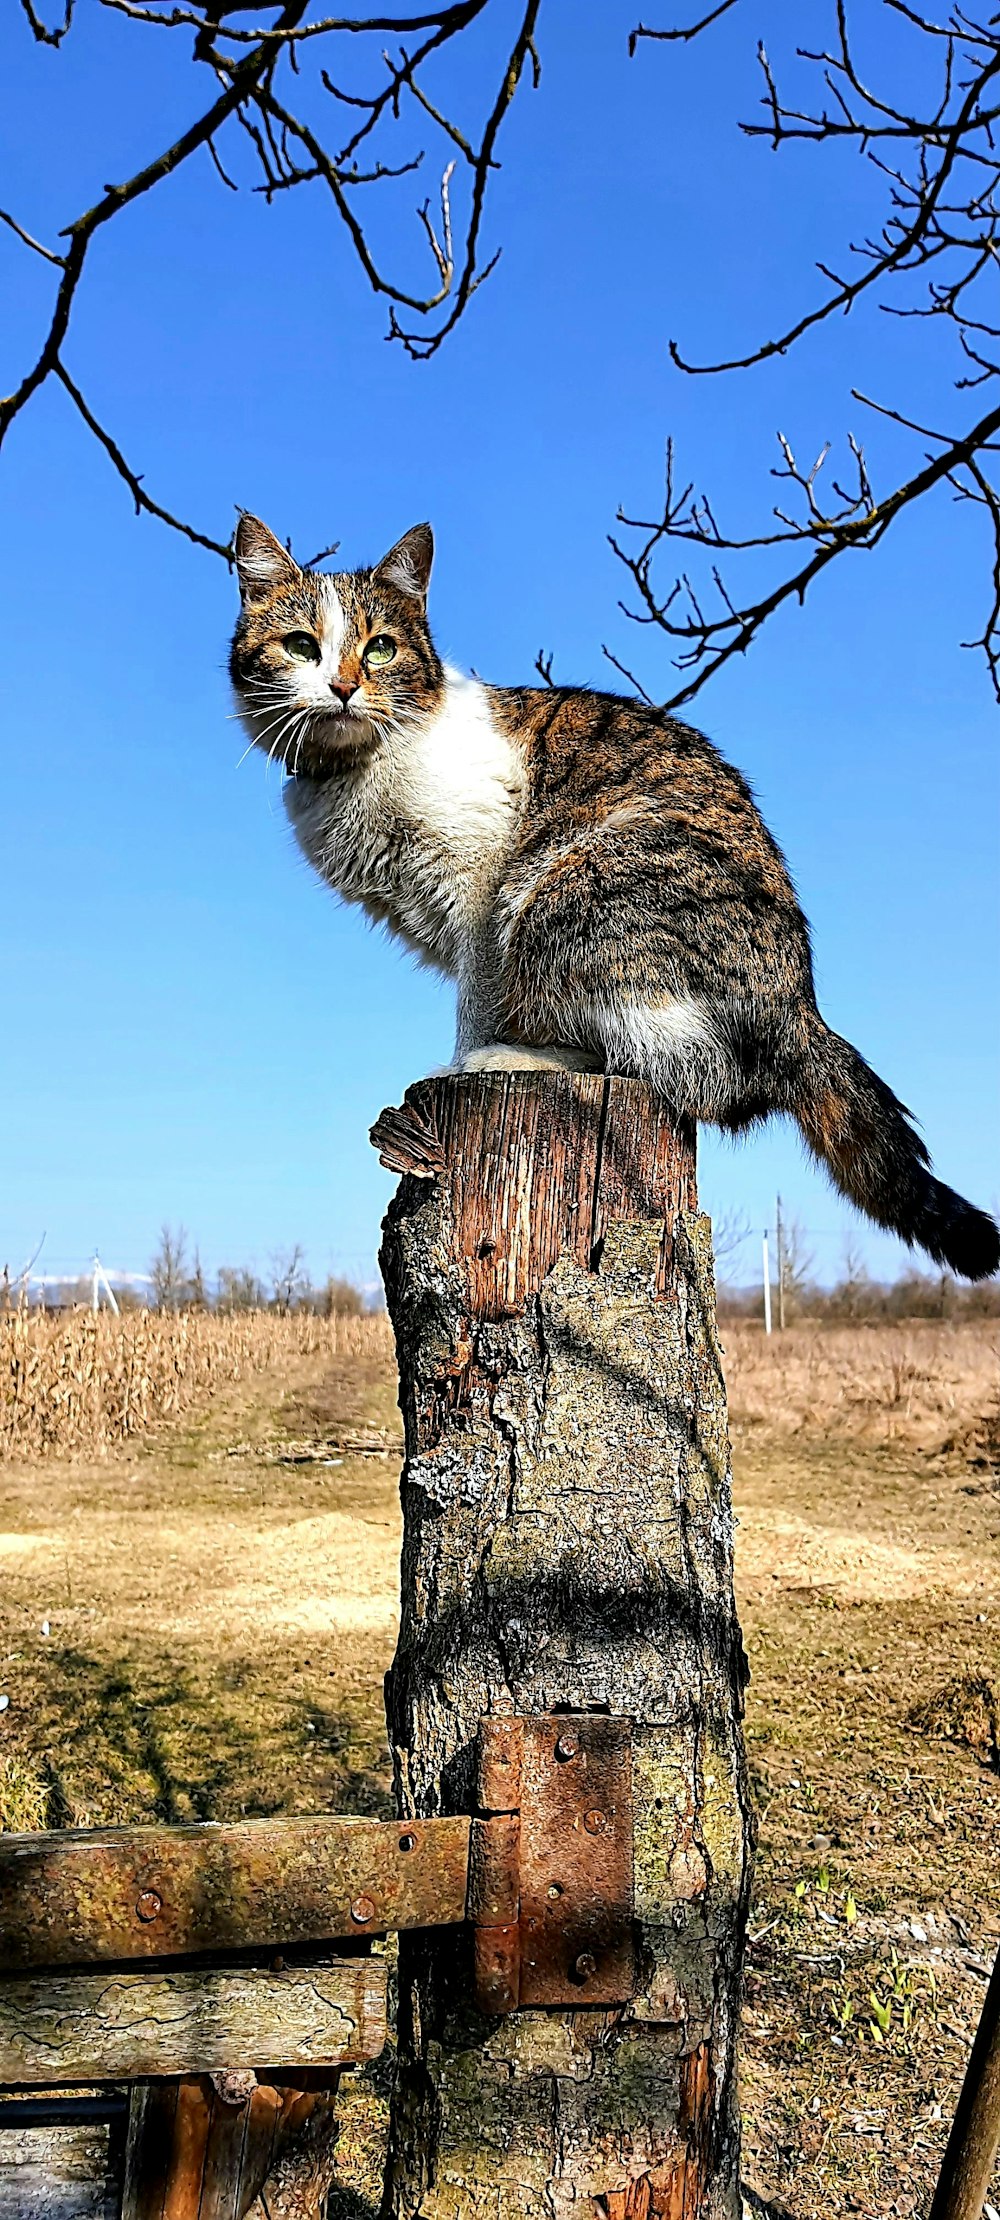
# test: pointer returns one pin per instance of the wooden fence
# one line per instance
(569, 1869)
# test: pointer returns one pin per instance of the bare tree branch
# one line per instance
(59, 260)
(729, 1232)
(40, 30)
(937, 255)
(708, 642)
(142, 499)
(260, 98)
(682, 31)
(630, 675)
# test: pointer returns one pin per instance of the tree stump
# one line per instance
(567, 1546)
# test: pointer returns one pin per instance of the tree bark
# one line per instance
(567, 1545)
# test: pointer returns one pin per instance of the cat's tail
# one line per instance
(854, 1124)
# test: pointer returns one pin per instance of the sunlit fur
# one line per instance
(593, 874)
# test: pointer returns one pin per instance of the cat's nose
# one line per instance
(343, 693)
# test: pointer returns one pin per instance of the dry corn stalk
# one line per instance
(75, 1383)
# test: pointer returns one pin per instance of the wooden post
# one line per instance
(567, 1546)
(970, 2157)
(192, 2156)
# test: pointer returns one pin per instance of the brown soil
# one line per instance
(198, 1626)
(220, 1606)
(870, 1595)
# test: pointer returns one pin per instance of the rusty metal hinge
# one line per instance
(550, 1862)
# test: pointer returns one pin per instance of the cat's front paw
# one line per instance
(514, 1056)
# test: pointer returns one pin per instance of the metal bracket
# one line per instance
(550, 1862)
(543, 1873)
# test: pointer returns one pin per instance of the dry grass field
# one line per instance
(921, 1385)
(77, 1383)
(196, 1616)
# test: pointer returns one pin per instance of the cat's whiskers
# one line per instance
(264, 724)
(285, 720)
(303, 734)
(278, 743)
(271, 693)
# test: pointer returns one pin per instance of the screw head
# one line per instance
(363, 1909)
(585, 1966)
(566, 1747)
(597, 1823)
(148, 1904)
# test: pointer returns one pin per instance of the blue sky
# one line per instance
(195, 1031)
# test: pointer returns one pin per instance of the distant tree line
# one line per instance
(857, 1300)
(854, 1298)
(178, 1283)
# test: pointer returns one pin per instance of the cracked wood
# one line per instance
(568, 1547)
(60, 2028)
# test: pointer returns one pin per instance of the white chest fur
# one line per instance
(420, 835)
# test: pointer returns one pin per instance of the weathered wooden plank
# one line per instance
(235, 2135)
(101, 1896)
(56, 2173)
(61, 2160)
(129, 2026)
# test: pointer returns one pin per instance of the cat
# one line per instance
(591, 871)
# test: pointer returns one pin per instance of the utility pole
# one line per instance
(781, 1268)
(767, 1283)
(100, 1278)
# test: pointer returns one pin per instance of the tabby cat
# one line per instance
(592, 872)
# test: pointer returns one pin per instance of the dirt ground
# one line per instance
(198, 1627)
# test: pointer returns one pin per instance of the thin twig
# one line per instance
(940, 165)
(59, 260)
(142, 499)
(630, 675)
(250, 93)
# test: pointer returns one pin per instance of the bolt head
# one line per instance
(597, 1823)
(585, 1966)
(566, 1747)
(363, 1909)
(148, 1905)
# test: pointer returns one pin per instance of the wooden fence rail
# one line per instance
(106, 1896)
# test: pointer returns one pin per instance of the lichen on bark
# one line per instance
(568, 1545)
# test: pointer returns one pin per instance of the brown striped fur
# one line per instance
(591, 871)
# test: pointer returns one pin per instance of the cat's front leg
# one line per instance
(478, 1046)
(477, 1021)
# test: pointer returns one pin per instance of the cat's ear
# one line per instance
(262, 564)
(408, 565)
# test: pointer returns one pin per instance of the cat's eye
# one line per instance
(301, 647)
(378, 651)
